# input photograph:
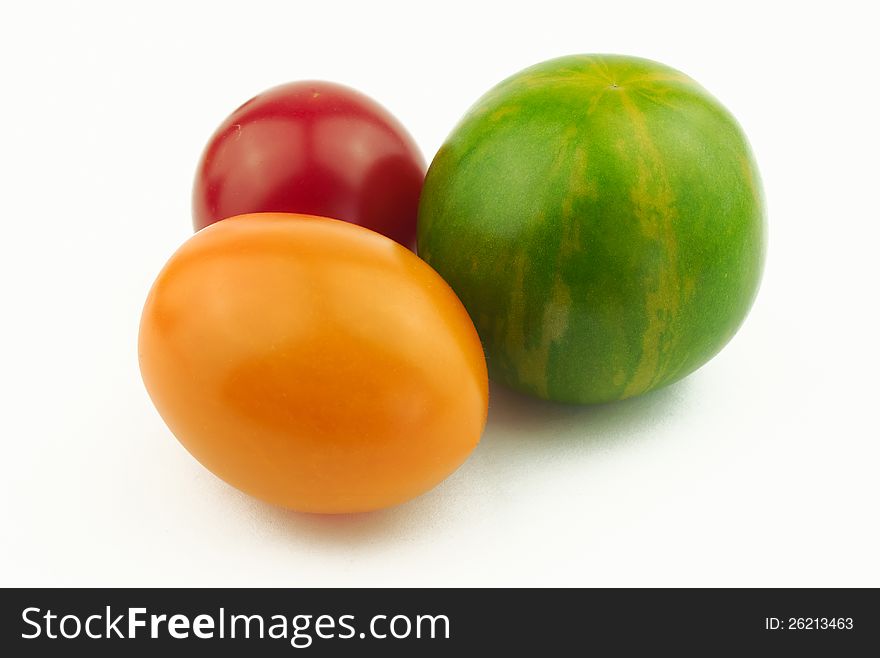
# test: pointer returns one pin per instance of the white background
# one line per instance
(760, 469)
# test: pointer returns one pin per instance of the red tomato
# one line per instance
(316, 148)
(314, 364)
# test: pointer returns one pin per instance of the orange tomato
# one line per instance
(313, 363)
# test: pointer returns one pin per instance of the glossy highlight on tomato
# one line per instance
(312, 363)
(317, 148)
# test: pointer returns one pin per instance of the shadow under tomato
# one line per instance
(516, 417)
(522, 434)
(351, 531)
(339, 528)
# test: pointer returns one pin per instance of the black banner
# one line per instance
(439, 622)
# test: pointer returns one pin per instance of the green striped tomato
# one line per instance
(601, 218)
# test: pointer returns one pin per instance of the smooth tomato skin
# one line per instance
(623, 241)
(317, 148)
(312, 363)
